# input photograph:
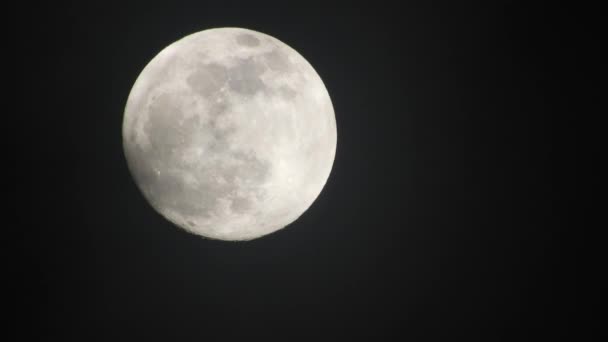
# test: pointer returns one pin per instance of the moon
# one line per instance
(229, 134)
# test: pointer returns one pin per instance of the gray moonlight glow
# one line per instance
(229, 134)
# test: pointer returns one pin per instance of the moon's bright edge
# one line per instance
(229, 133)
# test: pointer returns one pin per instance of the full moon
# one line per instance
(229, 134)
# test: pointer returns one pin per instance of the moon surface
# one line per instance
(229, 133)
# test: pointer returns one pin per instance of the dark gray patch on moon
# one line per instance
(166, 127)
(222, 133)
(287, 92)
(257, 169)
(278, 61)
(247, 40)
(240, 204)
(208, 79)
(245, 77)
(218, 108)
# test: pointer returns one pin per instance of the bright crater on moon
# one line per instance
(229, 134)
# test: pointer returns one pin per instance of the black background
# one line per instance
(438, 221)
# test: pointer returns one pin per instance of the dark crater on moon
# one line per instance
(247, 40)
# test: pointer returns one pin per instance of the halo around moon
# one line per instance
(229, 133)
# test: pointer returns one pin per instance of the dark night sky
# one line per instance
(438, 220)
